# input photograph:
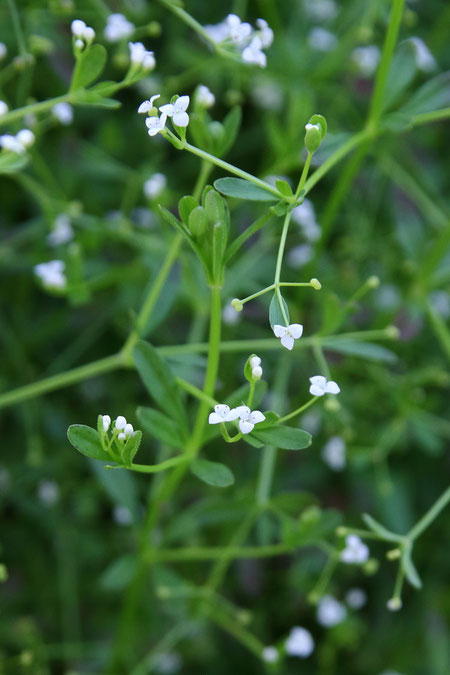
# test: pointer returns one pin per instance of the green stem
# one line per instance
(205, 553)
(298, 411)
(252, 229)
(439, 327)
(266, 474)
(324, 579)
(303, 177)
(233, 627)
(196, 392)
(34, 108)
(430, 515)
(434, 116)
(205, 170)
(321, 360)
(156, 468)
(17, 28)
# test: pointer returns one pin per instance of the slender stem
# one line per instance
(435, 116)
(303, 177)
(198, 553)
(251, 229)
(430, 515)
(156, 468)
(233, 627)
(324, 579)
(257, 294)
(205, 170)
(281, 247)
(17, 28)
(196, 392)
(298, 411)
(34, 108)
(266, 474)
(321, 360)
(439, 327)
(189, 21)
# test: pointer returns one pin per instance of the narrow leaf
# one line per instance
(276, 316)
(366, 350)
(286, 438)
(131, 448)
(160, 426)
(375, 526)
(410, 570)
(231, 125)
(243, 189)
(212, 473)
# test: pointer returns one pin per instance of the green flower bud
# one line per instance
(315, 283)
(313, 137)
(237, 305)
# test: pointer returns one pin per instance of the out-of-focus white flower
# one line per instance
(267, 95)
(154, 185)
(288, 334)
(204, 97)
(299, 643)
(63, 112)
(320, 9)
(118, 28)
(424, 58)
(140, 56)
(82, 32)
(168, 663)
(299, 256)
(366, 59)
(3, 108)
(394, 604)
(253, 53)
(122, 515)
(311, 421)
(52, 274)
(177, 111)
(9, 142)
(356, 598)
(265, 33)
(48, 492)
(217, 32)
(248, 418)
(229, 314)
(333, 453)
(330, 611)
(304, 215)
(320, 386)
(238, 31)
(355, 551)
(322, 40)
(270, 654)
(26, 138)
(3, 50)
(62, 231)
(440, 301)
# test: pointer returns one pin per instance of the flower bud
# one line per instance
(313, 137)
(257, 372)
(237, 305)
(315, 283)
(394, 604)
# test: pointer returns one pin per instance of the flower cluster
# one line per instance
(248, 41)
(330, 611)
(176, 110)
(120, 424)
(255, 365)
(83, 34)
(139, 56)
(19, 143)
(118, 28)
(355, 551)
(62, 231)
(52, 274)
(247, 418)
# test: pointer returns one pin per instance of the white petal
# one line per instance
(287, 341)
(232, 415)
(120, 422)
(296, 330)
(145, 106)
(214, 418)
(246, 427)
(257, 416)
(280, 331)
(153, 98)
(181, 119)
(243, 411)
(121, 436)
(315, 390)
(128, 429)
(181, 103)
(222, 409)
(319, 380)
(332, 388)
(167, 109)
(255, 361)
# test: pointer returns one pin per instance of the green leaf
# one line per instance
(220, 238)
(402, 71)
(159, 382)
(251, 440)
(10, 162)
(198, 222)
(119, 573)
(90, 65)
(366, 350)
(313, 525)
(433, 95)
(160, 426)
(271, 419)
(131, 447)
(332, 313)
(243, 189)
(212, 473)
(120, 486)
(275, 314)
(91, 98)
(280, 209)
(410, 569)
(375, 526)
(86, 440)
(286, 438)
(216, 208)
(185, 206)
(231, 125)
(283, 187)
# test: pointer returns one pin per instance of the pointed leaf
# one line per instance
(161, 427)
(375, 526)
(410, 570)
(131, 447)
(280, 436)
(185, 206)
(212, 473)
(276, 316)
(86, 440)
(283, 187)
(243, 189)
(231, 125)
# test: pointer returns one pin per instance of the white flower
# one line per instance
(333, 453)
(330, 611)
(147, 106)
(424, 58)
(229, 314)
(88, 34)
(126, 429)
(62, 231)
(248, 419)
(320, 9)
(122, 515)
(3, 108)
(299, 643)
(140, 56)
(356, 598)
(288, 334)
(265, 33)
(366, 59)
(154, 185)
(217, 32)
(177, 111)
(48, 492)
(305, 216)
(52, 274)
(106, 422)
(355, 551)
(3, 50)
(118, 28)
(63, 112)
(223, 414)
(155, 124)
(204, 96)
(9, 142)
(253, 53)
(25, 137)
(322, 40)
(237, 31)
(270, 654)
(320, 386)
(300, 255)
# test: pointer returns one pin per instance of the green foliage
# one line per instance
(243, 189)
(212, 473)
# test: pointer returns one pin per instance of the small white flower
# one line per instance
(366, 59)
(88, 34)
(62, 231)
(155, 124)
(270, 654)
(320, 9)
(79, 44)
(322, 40)
(305, 216)
(106, 422)
(154, 185)
(177, 111)
(257, 372)
(122, 515)
(120, 422)
(248, 418)
(229, 314)
(299, 643)
(265, 33)
(320, 386)
(355, 551)
(48, 492)
(204, 96)
(424, 58)
(63, 112)
(288, 334)
(128, 430)
(118, 28)
(26, 138)
(237, 30)
(3, 50)
(217, 32)
(223, 414)
(78, 27)
(147, 106)
(255, 361)
(330, 611)
(9, 142)
(3, 108)
(356, 598)
(300, 255)
(140, 56)
(253, 53)
(51, 274)
(333, 453)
